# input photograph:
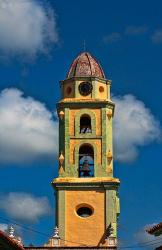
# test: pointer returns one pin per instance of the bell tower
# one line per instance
(87, 203)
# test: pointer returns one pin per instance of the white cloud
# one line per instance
(3, 227)
(157, 36)
(134, 126)
(27, 130)
(130, 30)
(136, 30)
(26, 27)
(24, 206)
(111, 38)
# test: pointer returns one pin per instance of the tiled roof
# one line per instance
(159, 248)
(85, 65)
(157, 229)
(9, 243)
(71, 248)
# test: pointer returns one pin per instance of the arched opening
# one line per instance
(86, 161)
(85, 124)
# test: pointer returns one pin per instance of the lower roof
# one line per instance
(6, 243)
(155, 230)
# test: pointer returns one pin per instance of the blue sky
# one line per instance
(39, 40)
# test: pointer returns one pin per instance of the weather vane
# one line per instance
(84, 45)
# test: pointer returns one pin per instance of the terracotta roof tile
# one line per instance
(155, 229)
(85, 65)
(4, 238)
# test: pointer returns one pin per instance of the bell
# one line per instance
(85, 168)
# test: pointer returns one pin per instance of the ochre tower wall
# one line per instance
(72, 116)
(90, 228)
(76, 142)
(69, 90)
(100, 194)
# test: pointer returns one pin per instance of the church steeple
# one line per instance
(86, 189)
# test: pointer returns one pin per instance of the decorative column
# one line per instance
(54, 241)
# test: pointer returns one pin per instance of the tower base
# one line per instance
(86, 209)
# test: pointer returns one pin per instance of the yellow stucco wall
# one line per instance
(96, 92)
(101, 91)
(72, 115)
(75, 142)
(65, 88)
(80, 229)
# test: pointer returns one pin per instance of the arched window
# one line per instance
(85, 124)
(86, 161)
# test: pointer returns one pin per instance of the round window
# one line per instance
(68, 90)
(84, 212)
(101, 89)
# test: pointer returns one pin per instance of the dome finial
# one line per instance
(84, 45)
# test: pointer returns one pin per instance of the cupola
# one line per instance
(85, 80)
(84, 66)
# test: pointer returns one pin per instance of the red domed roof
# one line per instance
(85, 65)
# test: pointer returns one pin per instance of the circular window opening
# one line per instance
(84, 212)
(101, 89)
(68, 90)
